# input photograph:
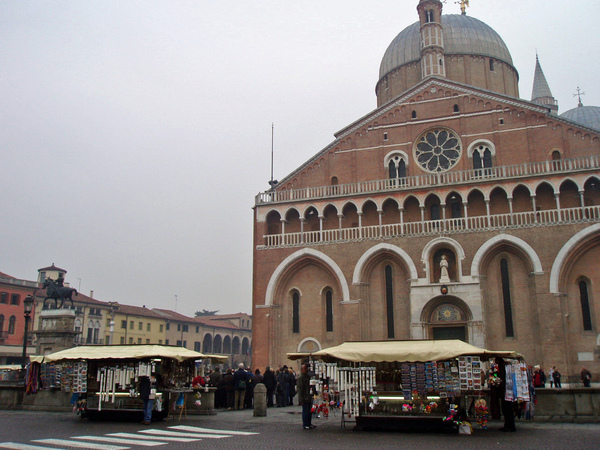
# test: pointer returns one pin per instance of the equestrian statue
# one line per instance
(57, 291)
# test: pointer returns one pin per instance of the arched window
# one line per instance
(329, 310)
(217, 344)
(435, 211)
(396, 164)
(456, 108)
(227, 345)
(585, 306)
(389, 300)
(11, 324)
(1, 324)
(235, 348)
(482, 158)
(245, 346)
(295, 312)
(207, 344)
(508, 321)
(429, 16)
(414, 114)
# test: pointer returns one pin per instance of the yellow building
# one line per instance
(137, 325)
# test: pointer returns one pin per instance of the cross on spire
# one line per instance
(579, 94)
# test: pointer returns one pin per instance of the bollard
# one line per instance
(260, 400)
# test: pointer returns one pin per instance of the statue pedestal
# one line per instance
(57, 331)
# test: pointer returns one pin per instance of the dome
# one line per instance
(463, 35)
(588, 116)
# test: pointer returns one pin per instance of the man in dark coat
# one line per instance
(270, 383)
(305, 397)
(239, 379)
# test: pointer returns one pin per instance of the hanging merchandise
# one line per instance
(481, 413)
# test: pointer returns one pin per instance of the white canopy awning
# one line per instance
(404, 351)
(89, 352)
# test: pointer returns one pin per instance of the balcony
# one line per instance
(515, 172)
(515, 220)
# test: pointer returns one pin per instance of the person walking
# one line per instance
(239, 381)
(556, 378)
(147, 384)
(305, 397)
(551, 376)
(586, 377)
(270, 383)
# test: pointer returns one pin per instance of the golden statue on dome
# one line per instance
(463, 6)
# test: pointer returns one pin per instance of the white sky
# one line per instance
(134, 135)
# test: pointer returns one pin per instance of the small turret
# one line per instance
(432, 38)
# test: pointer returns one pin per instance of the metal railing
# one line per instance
(526, 219)
(432, 180)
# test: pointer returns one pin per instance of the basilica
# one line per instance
(455, 209)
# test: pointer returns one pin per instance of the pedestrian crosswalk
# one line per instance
(151, 437)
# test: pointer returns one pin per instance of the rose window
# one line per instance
(438, 150)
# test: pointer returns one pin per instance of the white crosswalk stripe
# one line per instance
(208, 430)
(181, 434)
(17, 446)
(120, 440)
(147, 438)
(90, 445)
(155, 438)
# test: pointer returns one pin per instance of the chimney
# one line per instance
(91, 294)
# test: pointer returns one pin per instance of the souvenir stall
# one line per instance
(105, 379)
(422, 385)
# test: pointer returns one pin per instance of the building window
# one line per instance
(168, 326)
(147, 341)
(385, 136)
(585, 306)
(122, 340)
(295, 312)
(3, 297)
(166, 342)
(14, 299)
(508, 321)
(160, 328)
(197, 328)
(429, 16)
(124, 324)
(140, 326)
(1, 324)
(329, 310)
(139, 340)
(148, 327)
(11, 324)
(437, 150)
(482, 160)
(184, 328)
(456, 108)
(435, 211)
(197, 346)
(131, 325)
(389, 300)
(491, 65)
(178, 327)
(414, 115)
(130, 341)
(160, 342)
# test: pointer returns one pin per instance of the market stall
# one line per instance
(105, 380)
(410, 384)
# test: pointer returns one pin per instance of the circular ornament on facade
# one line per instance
(437, 150)
(447, 313)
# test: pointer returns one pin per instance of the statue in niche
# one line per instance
(444, 278)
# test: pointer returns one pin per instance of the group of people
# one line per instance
(235, 388)
(539, 377)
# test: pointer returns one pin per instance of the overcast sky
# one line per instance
(134, 135)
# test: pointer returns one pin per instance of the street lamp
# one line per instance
(28, 307)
